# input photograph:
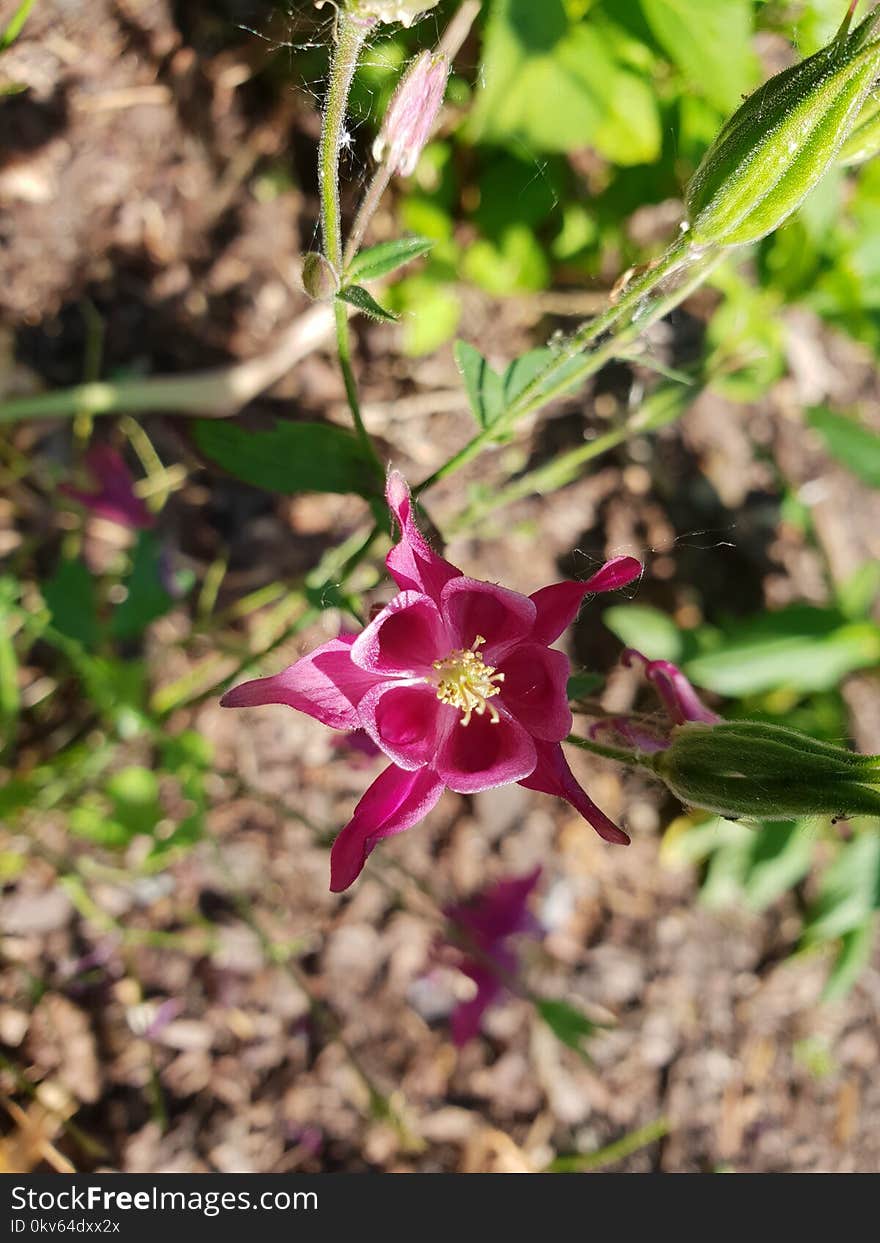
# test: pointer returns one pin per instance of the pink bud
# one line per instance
(412, 113)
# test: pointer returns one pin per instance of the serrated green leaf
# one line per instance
(357, 296)
(291, 458)
(387, 257)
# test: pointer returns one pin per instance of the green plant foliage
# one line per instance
(387, 257)
(291, 458)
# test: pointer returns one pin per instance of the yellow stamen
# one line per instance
(467, 683)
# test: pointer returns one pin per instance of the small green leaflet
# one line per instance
(568, 1024)
(490, 394)
(380, 260)
(357, 296)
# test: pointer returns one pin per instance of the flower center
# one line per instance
(466, 682)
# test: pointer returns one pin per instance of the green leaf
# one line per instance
(70, 597)
(357, 296)
(10, 699)
(291, 458)
(147, 597)
(646, 629)
(380, 260)
(850, 890)
(802, 648)
(580, 685)
(781, 856)
(555, 83)
(568, 1024)
(855, 447)
(855, 954)
(710, 42)
(483, 385)
(15, 24)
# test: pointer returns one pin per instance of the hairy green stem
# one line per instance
(619, 754)
(352, 36)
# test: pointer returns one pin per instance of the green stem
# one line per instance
(348, 49)
(352, 36)
(620, 754)
(610, 1155)
(561, 375)
(367, 210)
(343, 348)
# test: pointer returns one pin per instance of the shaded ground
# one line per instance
(132, 183)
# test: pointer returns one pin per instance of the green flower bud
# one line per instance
(778, 145)
(766, 772)
(864, 142)
(319, 279)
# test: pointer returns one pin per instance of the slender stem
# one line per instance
(343, 347)
(562, 375)
(348, 49)
(619, 754)
(367, 210)
(352, 35)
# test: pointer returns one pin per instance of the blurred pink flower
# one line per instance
(454, 680)
(480, 930)
(681, 701)
(113, 498)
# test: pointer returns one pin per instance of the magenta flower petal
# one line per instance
(499, 911)
(114, 497)
(535, 690)
(484, 753)
(404, 719)
(681, 700)
(466, 1019)
(324, 684)
(552, 775)
(405, 639)
(473, 609)
(395, 801)
(558, 604)
(412, 563)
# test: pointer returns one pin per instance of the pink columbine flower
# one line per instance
(113, 497)
(454, 680)
(412, 113)
(681, 701)
(480, 932)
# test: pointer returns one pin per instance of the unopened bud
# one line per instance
(766, 772)
(412, 113)
(778, 145)
(319, 279)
